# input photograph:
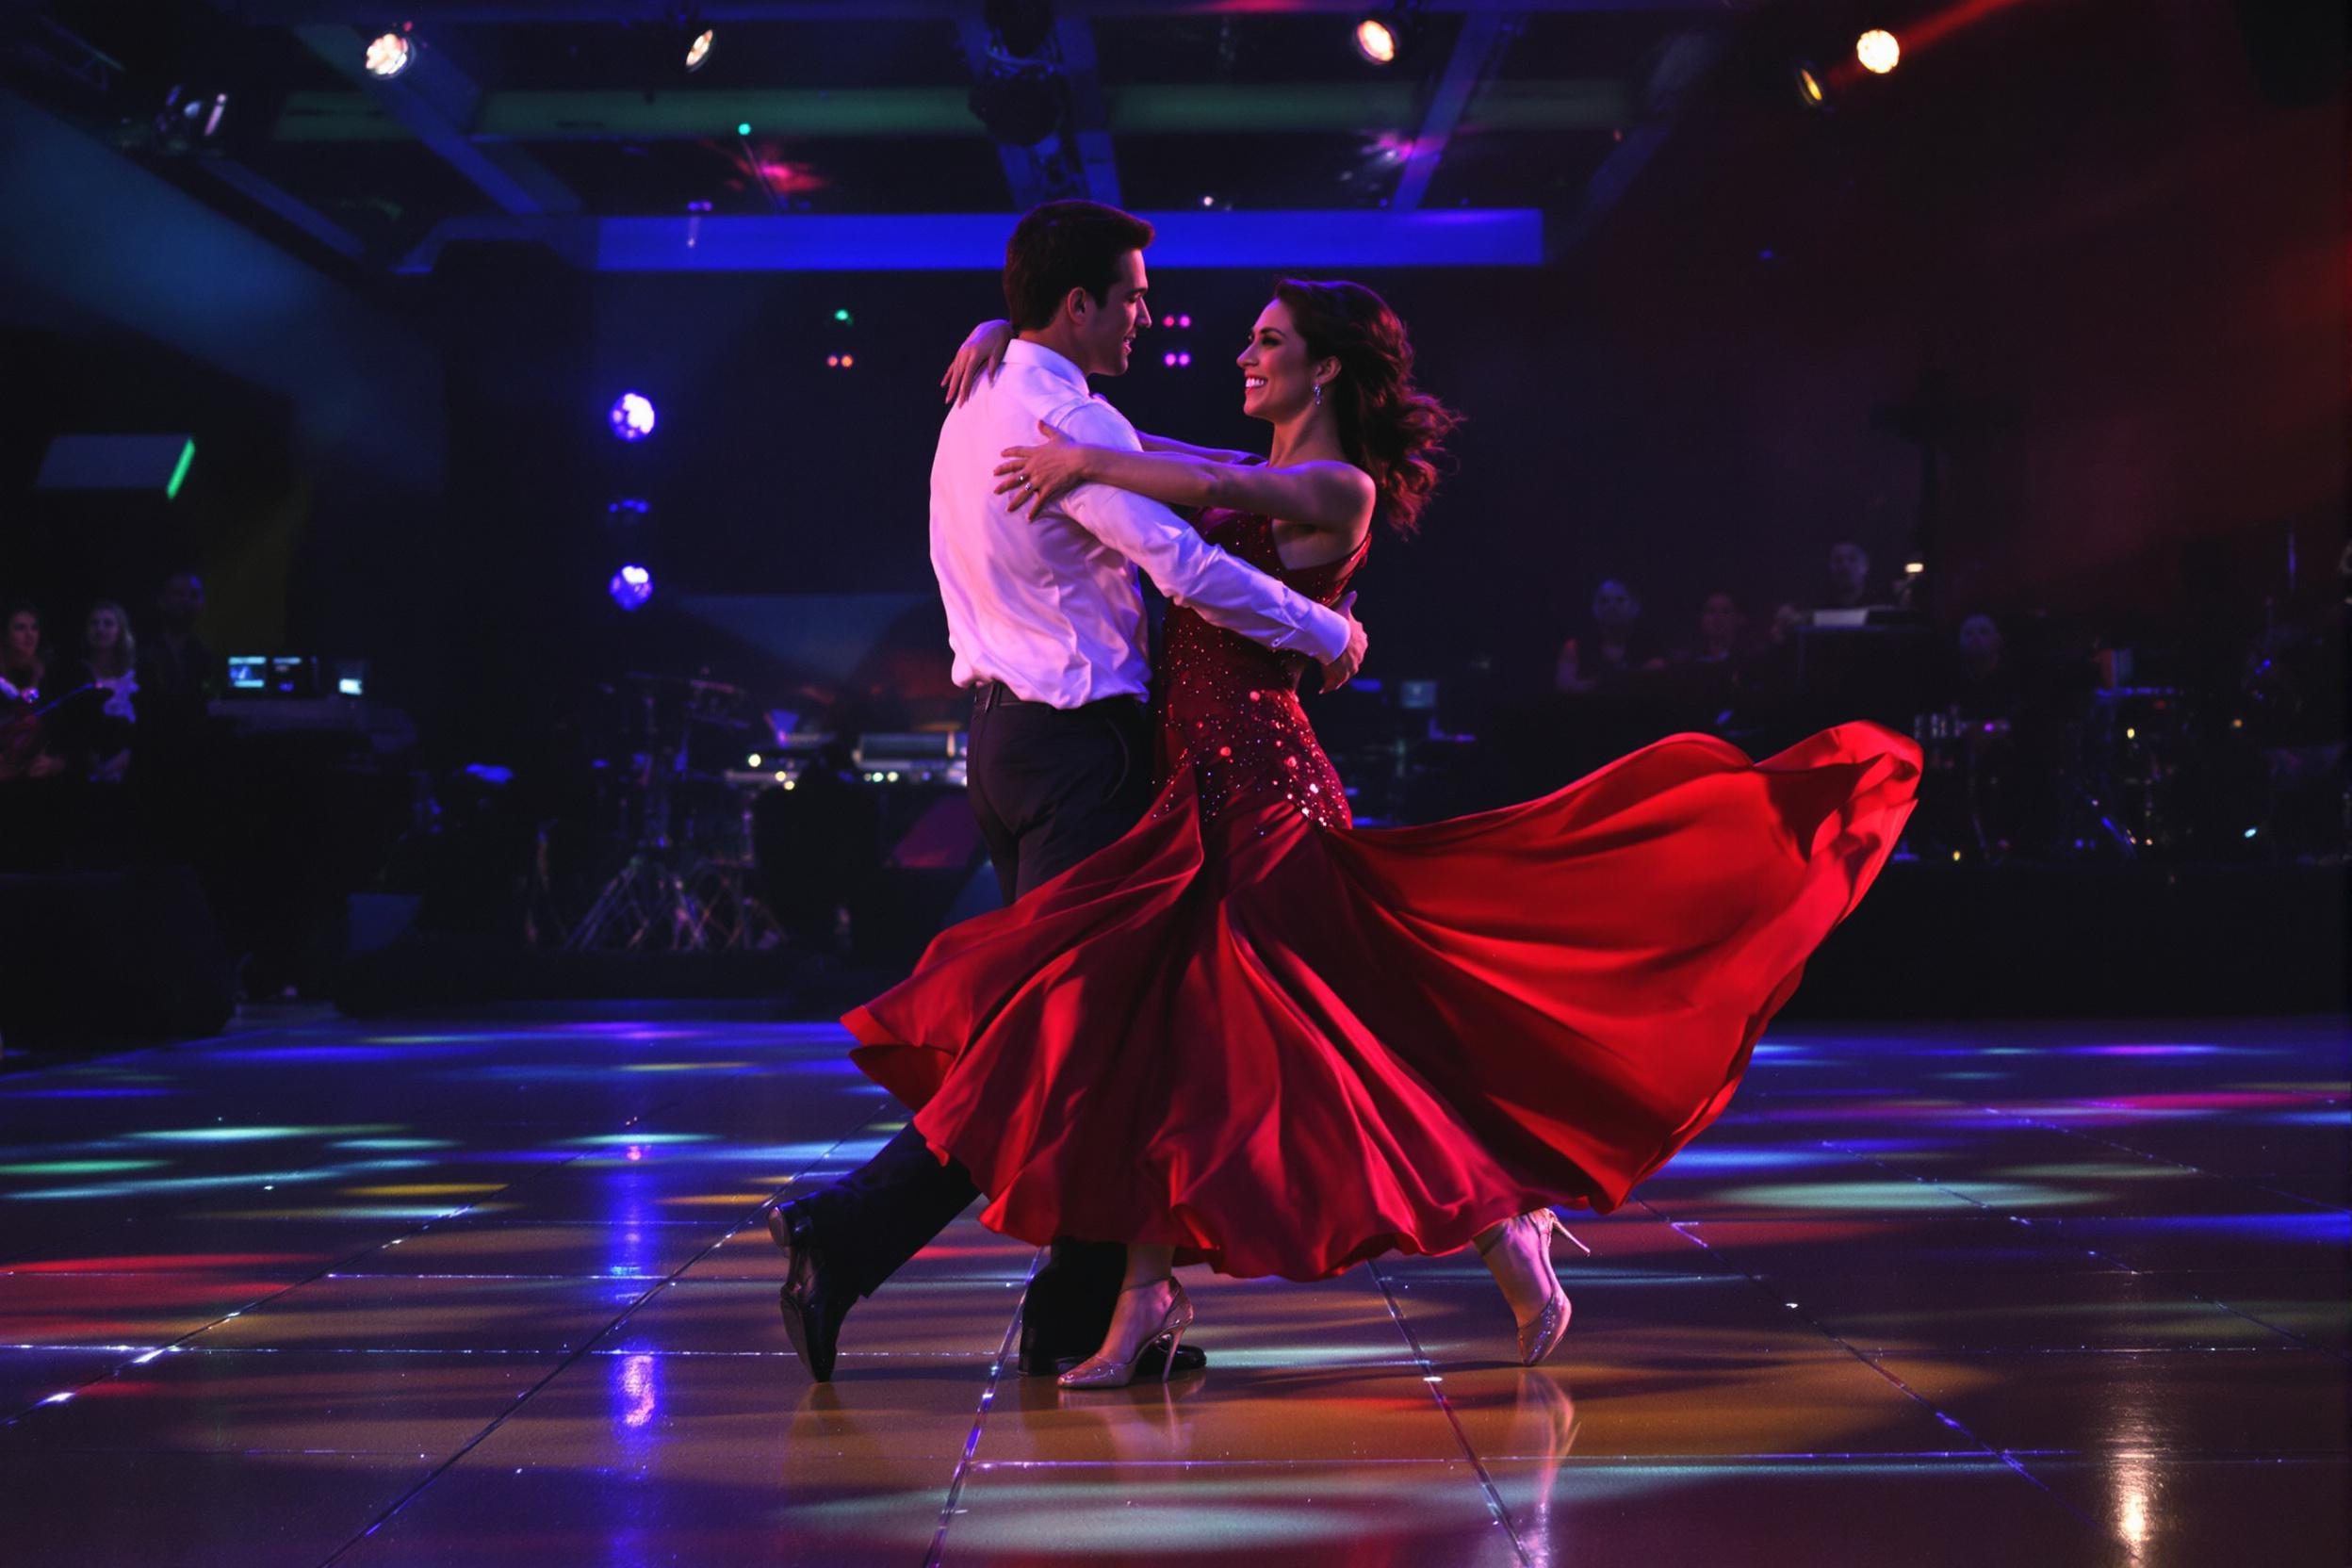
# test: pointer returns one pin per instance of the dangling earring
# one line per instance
(1318, 394)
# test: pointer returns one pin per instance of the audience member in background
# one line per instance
(1848, 582)
(1616, 646)
(24, 752)
(109, 663)
(1723, 630)
(177, 670)
(1846, 586)
(20, 662)
(1985, 687)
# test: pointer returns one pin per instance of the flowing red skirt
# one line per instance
(1283, 1050)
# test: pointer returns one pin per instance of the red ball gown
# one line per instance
(1283, 1044)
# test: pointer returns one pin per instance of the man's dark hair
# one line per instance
(1059, 246)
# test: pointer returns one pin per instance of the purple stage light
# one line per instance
(631, 587)
(1184, 359)
(633, 416)
(1168, 360)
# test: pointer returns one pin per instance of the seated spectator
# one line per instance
(1615, 646)
(1846, 585)
(109, 660)
(23, 671)
(1723, 630)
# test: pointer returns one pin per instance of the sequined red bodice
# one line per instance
(1227, 706)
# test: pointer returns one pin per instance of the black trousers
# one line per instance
(1049, 787)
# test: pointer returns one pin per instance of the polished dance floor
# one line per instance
(493, 1292)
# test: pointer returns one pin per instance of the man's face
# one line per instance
(181, 601)
(1980, 641)
(1106, 333)
(1614, 606)
(23, 636)
(1848, 566)
(1719, 619)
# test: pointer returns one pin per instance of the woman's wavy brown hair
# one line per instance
(1387, 426)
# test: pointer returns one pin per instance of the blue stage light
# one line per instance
(633, 416)
(631, 587)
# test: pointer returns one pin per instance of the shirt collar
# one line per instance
(1021, 352)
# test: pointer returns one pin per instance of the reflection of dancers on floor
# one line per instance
(1247, 1034)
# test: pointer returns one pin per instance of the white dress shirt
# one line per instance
(1050, 605)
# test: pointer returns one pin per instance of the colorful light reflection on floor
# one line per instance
(495, 1292)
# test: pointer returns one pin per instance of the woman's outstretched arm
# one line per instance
(1330, 496)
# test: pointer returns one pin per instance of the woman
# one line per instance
(1249, 1035)
(109, 658)
(24, 744)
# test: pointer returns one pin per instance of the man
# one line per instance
(1848, 577)
(1618, 644)
(1846, 585)
(174, 666)
(1046, 620)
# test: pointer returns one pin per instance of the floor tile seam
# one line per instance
(10, 1415)
(1944, 1416)
(2004, 1456)
(169, 1345)
(1952, 1459)
(1432, 1381)
(2241, 1313)
(2157, 1159)
(568, 1359)
(174, 1345)
(2256, 1181)
(2030, 1224)
(950, 1505)
(242, 1451)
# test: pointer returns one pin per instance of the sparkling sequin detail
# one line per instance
(1227, 708)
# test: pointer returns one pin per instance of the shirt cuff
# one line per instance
(1323, 636)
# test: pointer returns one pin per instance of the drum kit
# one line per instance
(678, 765)
(2139, 772)
(673, 802)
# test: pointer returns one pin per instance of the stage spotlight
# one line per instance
(631, 587)
(698, 47)
(1878, 51)
(389, 55)
(632, 417)
(1811, 92)
(1378, 38)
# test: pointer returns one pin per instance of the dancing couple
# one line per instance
(1213, 1023)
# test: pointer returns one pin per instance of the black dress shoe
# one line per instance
(814, 1298)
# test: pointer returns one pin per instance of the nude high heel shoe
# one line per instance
(1100, 1371)
(1539, 1336)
